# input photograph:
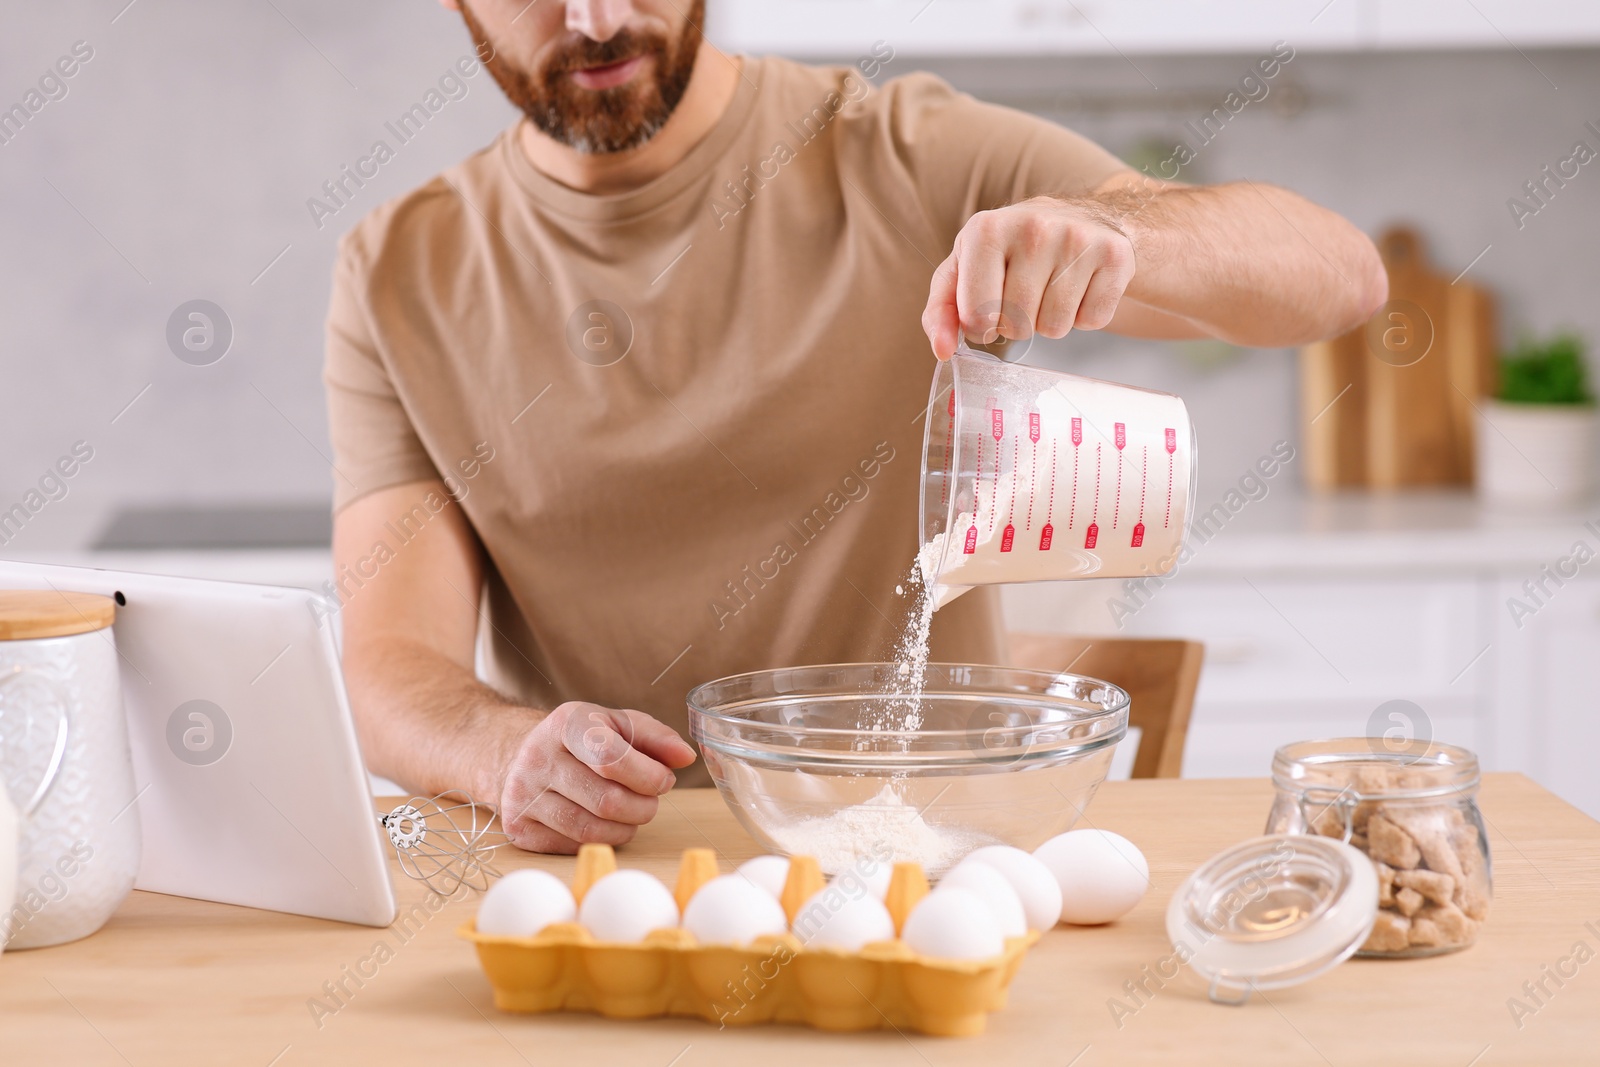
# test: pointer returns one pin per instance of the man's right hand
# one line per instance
(581, 773)
(588, 773)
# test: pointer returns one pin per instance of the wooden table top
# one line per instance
(175, 981)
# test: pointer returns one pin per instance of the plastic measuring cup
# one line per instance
(1033, 475)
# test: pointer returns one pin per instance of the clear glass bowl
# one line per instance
(1002, 756)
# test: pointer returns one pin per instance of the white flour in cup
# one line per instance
(1084, 479)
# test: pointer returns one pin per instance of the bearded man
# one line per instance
(629, 399)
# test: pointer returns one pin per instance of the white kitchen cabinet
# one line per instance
(1350, 642)
(1548, 671)
(1291, 659)
(1315, 612)
(843, 28)
(1485, 23)
(846, 28)
(1237, 740)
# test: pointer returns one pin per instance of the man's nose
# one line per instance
(598, 20)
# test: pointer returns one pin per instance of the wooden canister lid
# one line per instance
(32, 613)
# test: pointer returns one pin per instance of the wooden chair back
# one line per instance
(1159, 675)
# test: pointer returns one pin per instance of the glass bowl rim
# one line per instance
(1118, 703)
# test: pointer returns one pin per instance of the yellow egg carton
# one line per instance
(772, 980)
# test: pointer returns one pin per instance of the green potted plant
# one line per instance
(1537, 438)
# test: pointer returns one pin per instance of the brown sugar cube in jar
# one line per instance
(1386, 875)
(1372, 779)
(1390, 933)
(1408, 902)
(1442, 926)
(1369, 780)
(1439, 888)
(1329, 822)
(1430, 828)
(1425, 933)
(1387, 842)
(1472, 891)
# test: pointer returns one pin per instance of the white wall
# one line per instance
(192, 139)
(191, 142)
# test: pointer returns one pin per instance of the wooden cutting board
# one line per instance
(1392, 404)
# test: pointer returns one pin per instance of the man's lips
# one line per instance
(609, 76)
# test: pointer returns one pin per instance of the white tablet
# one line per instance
(251, 785)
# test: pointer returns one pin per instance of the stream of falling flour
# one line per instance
(890, 820)
(903, 711)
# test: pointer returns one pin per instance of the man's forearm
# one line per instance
(1246, 262)
(428, 723)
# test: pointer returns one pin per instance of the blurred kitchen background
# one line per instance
(178, 164)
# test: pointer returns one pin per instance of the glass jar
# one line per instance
(1411, 807)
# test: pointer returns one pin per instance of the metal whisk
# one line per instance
(440, 846)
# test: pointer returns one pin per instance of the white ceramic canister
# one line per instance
(8, 857)
(66, 765)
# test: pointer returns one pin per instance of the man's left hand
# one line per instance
(1039, 266)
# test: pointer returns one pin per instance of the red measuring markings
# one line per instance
(1033, 426)
(977, 488)
(1092, 536)
(1072, 510)
(1077, 431)
(1011, 508)
(1033, 479)
(952, 403)
(1098, 467)
(1120, 439)
(971, 545)
(1144, 478)
(1048, 532)
(997, 421)
(1172, 447)
(1008, 537)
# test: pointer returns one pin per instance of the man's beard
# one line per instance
(599, 121)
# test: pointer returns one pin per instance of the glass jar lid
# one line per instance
(1271, 912)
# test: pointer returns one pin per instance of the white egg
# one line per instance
(525, 902)
(997, 894)
(1102, 875)
(626, 905)
(768, 872)
(730, 910)
(877, 878)
(953, 924)
(1036, 887)
(865, 873)
(833, 918)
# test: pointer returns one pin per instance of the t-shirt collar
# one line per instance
(617, 206)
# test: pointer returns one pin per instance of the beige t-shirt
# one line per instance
(738, 490)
